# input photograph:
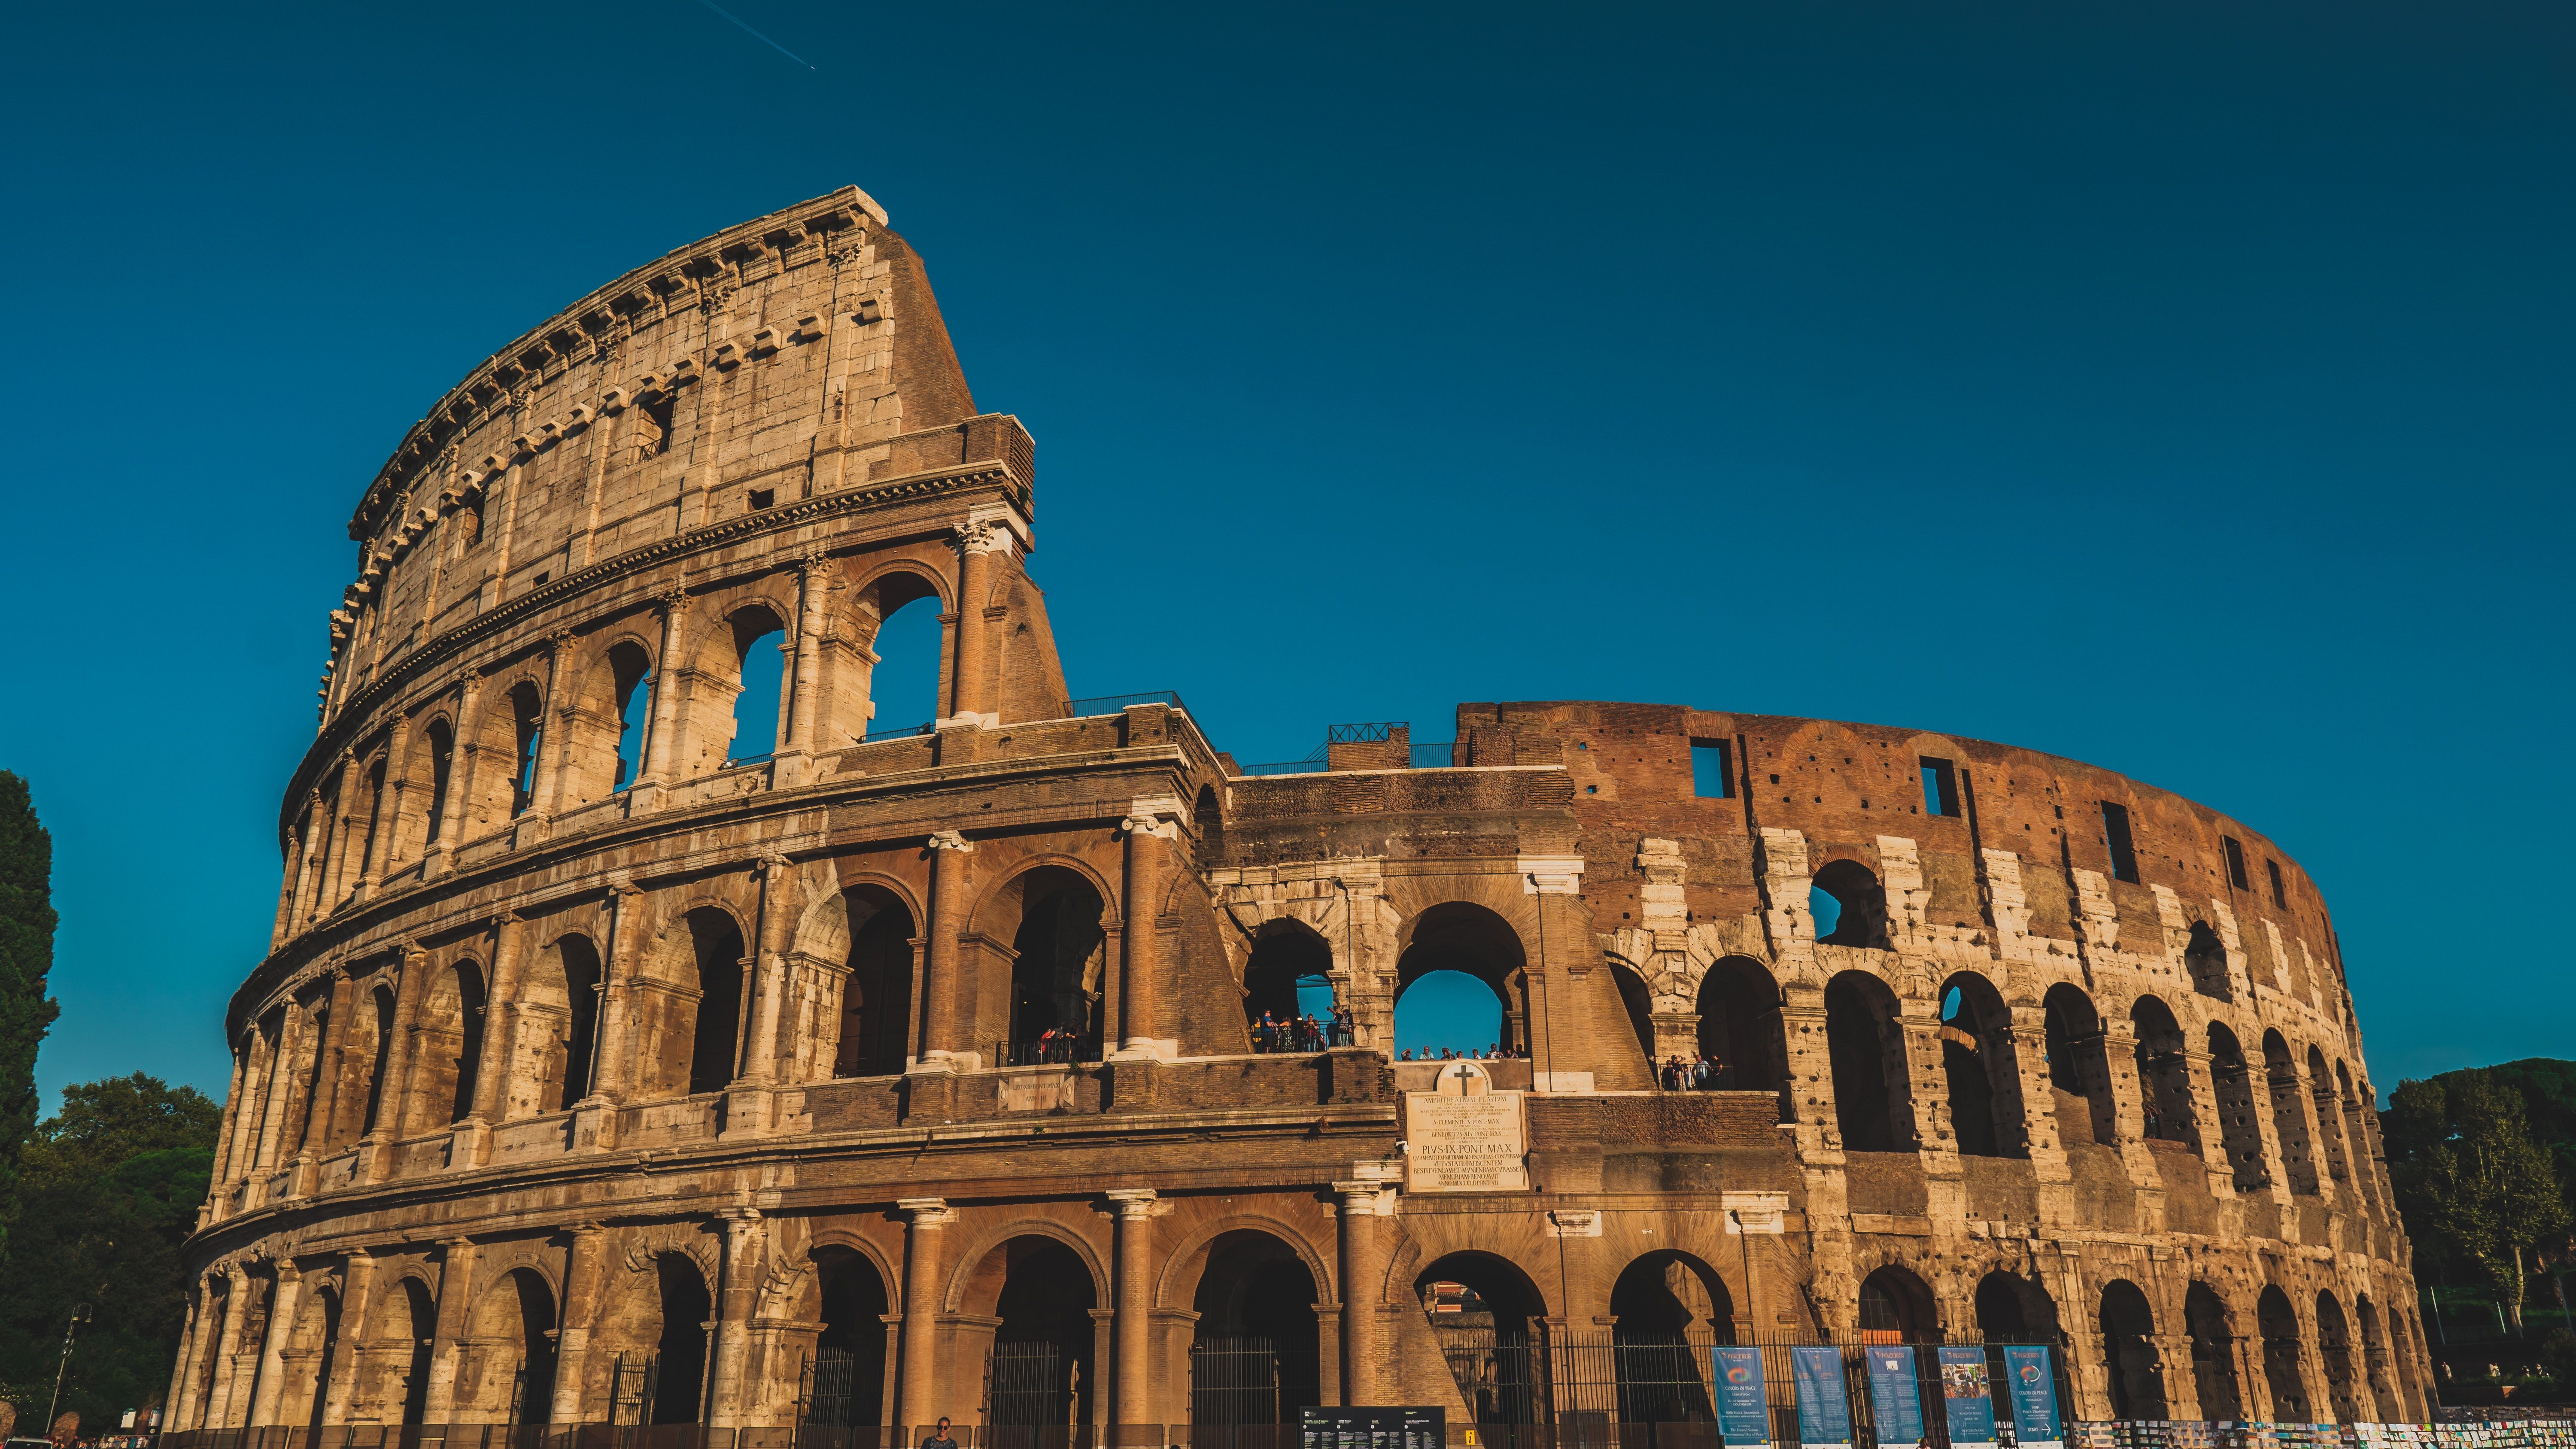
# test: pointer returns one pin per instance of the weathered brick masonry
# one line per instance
(590, 1034)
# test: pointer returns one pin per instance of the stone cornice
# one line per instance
(361, 705)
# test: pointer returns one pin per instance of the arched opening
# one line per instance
(2321, 1091)
(2213, 1353)
(447, 1047)
(1639, 1004)
(1670, 1308)
(2129, 1353)
(1982, 1069)
(215, 1303)
(1740, 1027)
(1207, 817)
(1057, 969)
(2356, 1133)
(2205, 957)
(2239, 1127)
(2289, 1114)
(2018, 1310)
(1873, 1096)
(1253, 1354)
(1286, 978)
(2375, 1361)
(1897, 1307)
(528, 728)
(1041, 1370)
(469, 1043)
(631, 686)
(317, 1029)
(689, 1007)
(2164, 1074)
(442, 766)
(2334, 1348)
(507, 1374)
(2079, 1069)
(1472, 941)
(1850, 908)
(1480, 1308)
(324, 1315)
(2278, 1323)
(715, 1038)
(850, 1351)
(760, 672)
(418, 1322)
(680, 1356)
(367, 829)
(908, 679)
(380, 1057)
(876, 1001)
(558, 1026)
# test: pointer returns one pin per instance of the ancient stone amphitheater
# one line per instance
(617, 1061)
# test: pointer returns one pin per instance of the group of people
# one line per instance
(1704, 1075)
(1061, 1044)
(1496, 1052)
(1302, 1033)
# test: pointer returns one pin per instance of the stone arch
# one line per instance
(1207, 822)
(2240, 1127)
(1480, 1307)
(312, 1345)
(690, 1009)
(555, 1026)
(1859, 904)
(737, 722)
(1897, 1306)
(2289, 1113)
(2129, 1352)
(2204, 956)
(1255, 1349)
(1982, 1065)
(2384, 1390)
(1057, 914)
(2334, 1354)
(2211, 1330)
(1663, 1301)
(1177, 1284)
(606, 717)
(1740, 1025)
(447, 1047)
(869, 1004)
(846, 1291)
(2011, 1308)
(378, 1018)
(1636, 1002)
(966, 1292)
(1285, 953)
(876, 594)
(1873, 1089)
(2329, 1108)
(424, 809)
(1474, 940)
(2278, 1323)
(2164, 1074)
(511, 1331)
(1033, 1288)
(505, 738)
(408, 1320)
(2079, 1068)
(690, 1242)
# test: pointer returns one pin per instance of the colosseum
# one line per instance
(653, 1032)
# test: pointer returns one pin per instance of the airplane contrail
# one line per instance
(756, 35)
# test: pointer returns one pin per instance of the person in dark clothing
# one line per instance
(939, 1437)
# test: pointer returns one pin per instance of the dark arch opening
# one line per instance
(1873, 1100)
(1740, 1027)
(469, 1039)
(384, 1003)
(1669, 1307)
(2289, 1114)
(528, 729)
(760, 703)
(329, 1306)
(680, 1368)
(1639, 1005)
(421, 1318)
(442, 763)
(536, 1309)
(2079, 1068)
(715, 1037)
(1458, 936)
(1042, 1363)
(2278, 1323)
(850, 1351)
(876, 1000)
(1897, 1307)
(581, 986)
(2375, 1360)
(1207, 816)
(1480, 1308)
(1982, 1069)
(1289, 965)
(2164, 1075)
(2213, 1353)
(907, 682)
(2239, 1126)
(2321, 1092)
(1253, 1350)
(2129, 1353)
(630, 670)
(2334, 1351)
(2205, 956)
(1056, 975)
(1859, 906)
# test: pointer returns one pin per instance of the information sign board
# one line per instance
(1373, 1428)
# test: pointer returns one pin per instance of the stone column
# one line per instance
(1362, 1204)
(290, 915)
(743, 1240)
(357, 1304)
(394, 1102)
(747, 1105)
(473, 1140)
(941, 986)
(271, 1381)
(463, 746)
(337, 867)
(204, 1316)
(279, 1095)
(926, 1216)
(219, 1407)
(334, 1050)
(1133, 1286)
(555, 716)
(388, 808)
(611, 1066)
(661, 735)
(968, 705)
(1151, 827)
(455, 1302)
(584, 1265)
(232, 1118)
(804, 698)
(247, 1103)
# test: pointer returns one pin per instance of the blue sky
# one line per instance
(2181, 388)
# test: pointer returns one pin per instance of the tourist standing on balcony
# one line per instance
(939, 1437)
(1342, 1026)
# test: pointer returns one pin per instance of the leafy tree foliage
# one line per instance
(26, 955)
(109, 1189)
(2481, 1191)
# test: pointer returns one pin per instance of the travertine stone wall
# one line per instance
(742, 1053)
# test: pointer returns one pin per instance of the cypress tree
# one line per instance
(26, 955)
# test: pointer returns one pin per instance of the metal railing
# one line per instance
(1059, 1052)
(903, 732)
(1114, 703)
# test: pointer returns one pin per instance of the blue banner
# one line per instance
(1894, 1400)
(2034, 1398)
(1824, 1411)
(1968, 1398)
(1743, 1411)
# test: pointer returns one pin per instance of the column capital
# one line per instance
(671, 601)
(926, 1212)
(1131, 1202)
(1365, 1199)
(975, 535)
(1551, 875)
(739, 1219)
(772, 862)
(951, 840)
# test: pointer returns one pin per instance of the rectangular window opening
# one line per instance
(2124, 850)
(763, 497)
(1940, 786)
(2280, 897)
(1713, 769)
(2235, 863)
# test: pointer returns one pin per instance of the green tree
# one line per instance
(109, 1192)
(2472, 1179)
(26, 956)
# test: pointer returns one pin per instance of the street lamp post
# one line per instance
(80, 1315)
